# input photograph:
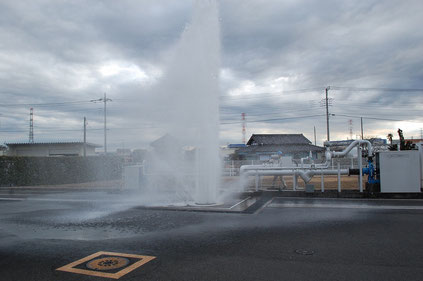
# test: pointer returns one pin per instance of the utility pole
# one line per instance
(31, 125)
(104, 100)
(314, 135)
(105, 123)
(327, 113)
(85, 136)
(361, 120)
(243, 127)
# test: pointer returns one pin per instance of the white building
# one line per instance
(50, 149)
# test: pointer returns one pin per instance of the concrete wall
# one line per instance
(21, 171)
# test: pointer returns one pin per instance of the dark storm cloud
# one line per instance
(326, 41)
(321, 43)
(54, 51)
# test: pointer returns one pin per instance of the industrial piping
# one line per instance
(355, 143)
(306, 173)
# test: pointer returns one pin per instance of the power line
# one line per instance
(368, 117)
(267, 94)
(376, 89)
(273, 112)
(275, 119)
(47, 129)
(45, 104)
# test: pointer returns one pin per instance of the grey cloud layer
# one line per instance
(51, 51)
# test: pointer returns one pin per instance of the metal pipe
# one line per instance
(351, 146)
(304, 175)
(270, 167)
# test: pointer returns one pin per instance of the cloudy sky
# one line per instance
(277, 58)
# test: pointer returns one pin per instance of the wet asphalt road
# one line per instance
(348, 239)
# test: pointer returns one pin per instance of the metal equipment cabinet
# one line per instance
(399, 171)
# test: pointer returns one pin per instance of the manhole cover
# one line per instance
(108, 263)
(304, 252)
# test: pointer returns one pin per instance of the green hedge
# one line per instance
(21, 171)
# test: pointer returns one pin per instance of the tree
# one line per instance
(403, 144)
(390, 136)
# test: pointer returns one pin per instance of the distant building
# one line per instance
(50, 149)
(229, 150)
(125, 154)
(166, 144)
(236, 145)
(377, 143)
(415, 141)
(262, 146)
(138, 155)
(123, 151)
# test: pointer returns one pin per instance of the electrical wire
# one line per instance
(362, 89)
(275, 119)
(267, 95)
(367, 117)
(44, 104)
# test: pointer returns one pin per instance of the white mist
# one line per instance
(189, 112)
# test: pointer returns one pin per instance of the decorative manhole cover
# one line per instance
(304, 252)
(108, 263)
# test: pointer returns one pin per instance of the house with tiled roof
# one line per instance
(262, 146)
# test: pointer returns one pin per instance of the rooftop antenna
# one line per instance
(31, 125)
(243, 127)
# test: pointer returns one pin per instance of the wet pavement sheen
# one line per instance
(287, 239)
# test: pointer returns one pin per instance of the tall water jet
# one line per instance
(188, 107)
